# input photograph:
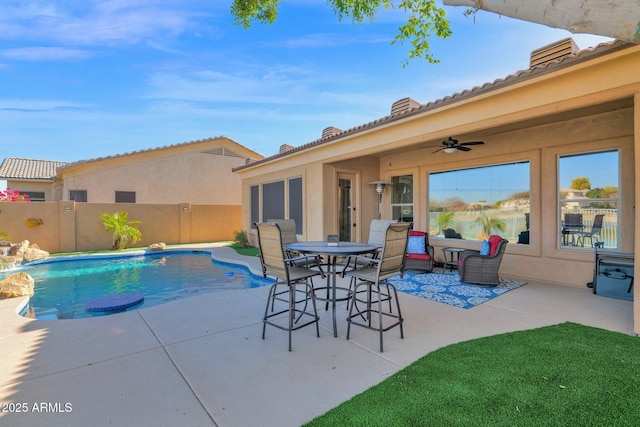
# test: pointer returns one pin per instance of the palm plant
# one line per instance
(123, 230)
(445, 220)
(489, 224)
(4, 235)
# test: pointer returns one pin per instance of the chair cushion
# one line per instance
(421, 257)
(485, 248)
(494, 242)
(416, 245)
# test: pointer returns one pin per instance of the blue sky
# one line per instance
(89, 78)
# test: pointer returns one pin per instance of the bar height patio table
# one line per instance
(332, 252)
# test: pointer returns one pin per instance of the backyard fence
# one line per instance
(69, 226)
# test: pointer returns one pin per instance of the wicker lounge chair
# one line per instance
(419, 252)
(482, 269)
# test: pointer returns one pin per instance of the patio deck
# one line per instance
(201, 361)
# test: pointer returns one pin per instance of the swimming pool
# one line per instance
(63, 287)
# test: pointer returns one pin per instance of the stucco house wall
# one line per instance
(198, 172)
(583, 103)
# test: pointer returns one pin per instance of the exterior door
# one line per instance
(347, 207)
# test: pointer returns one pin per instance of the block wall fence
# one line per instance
(69, 226)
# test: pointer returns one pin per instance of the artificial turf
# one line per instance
(561, 375)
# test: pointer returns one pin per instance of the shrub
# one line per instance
(123, 230)
(241, 239)
(10, 195)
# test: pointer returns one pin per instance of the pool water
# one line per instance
(63, 287)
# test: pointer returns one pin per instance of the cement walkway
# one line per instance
(201, 361)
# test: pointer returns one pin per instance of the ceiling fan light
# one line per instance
(449, 150)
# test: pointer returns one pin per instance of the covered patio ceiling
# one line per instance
(485, 134)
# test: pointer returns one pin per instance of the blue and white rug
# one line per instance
(447, 289)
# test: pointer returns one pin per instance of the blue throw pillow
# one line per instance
(416, 245)
(484, 250)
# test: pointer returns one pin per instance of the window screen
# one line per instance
(125, 196)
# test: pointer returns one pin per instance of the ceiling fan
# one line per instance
(450, 145)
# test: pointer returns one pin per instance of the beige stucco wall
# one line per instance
(68, 226)
(320, 190)
(188, 173)
(30, 186)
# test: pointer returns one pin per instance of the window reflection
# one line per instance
(589, 199)
(402, 198)
(475, 203)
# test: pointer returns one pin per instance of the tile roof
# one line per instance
(519, 76)
(14, 168)
(148, 150)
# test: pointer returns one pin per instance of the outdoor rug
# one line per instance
(447, 289)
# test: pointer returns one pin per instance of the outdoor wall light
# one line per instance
(380, 186)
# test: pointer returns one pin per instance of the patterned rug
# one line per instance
(447, 289)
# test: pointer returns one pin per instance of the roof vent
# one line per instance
(553, 52)
(330, 131)
(403, 105)
(286, 147)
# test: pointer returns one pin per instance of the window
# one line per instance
(273, 200)
(255, 205)
(475, 203)
(35, 196)
(402, 198)
(589, 199)
(295, 202)
(78, 195)
(125, 196)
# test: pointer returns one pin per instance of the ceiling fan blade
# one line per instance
(473, 143)
(439, 149)
(462, 148)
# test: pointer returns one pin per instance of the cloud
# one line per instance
(327, 40)
(44, 54)
(99, 22)
(37, 105)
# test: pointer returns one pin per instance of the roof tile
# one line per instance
(15, 168)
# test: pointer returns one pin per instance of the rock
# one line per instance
(157, 246)
(32, 254)
(18, 249)
(34, 246)
(16, 285)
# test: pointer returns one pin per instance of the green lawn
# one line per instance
(561, 375)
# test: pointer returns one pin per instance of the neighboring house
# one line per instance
(182, 193)
(568, 107)
(574, 199)
(32, 177)
(198, 172)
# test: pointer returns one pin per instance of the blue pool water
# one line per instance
(63, 287)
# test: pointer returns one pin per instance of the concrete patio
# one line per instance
(201, 361)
